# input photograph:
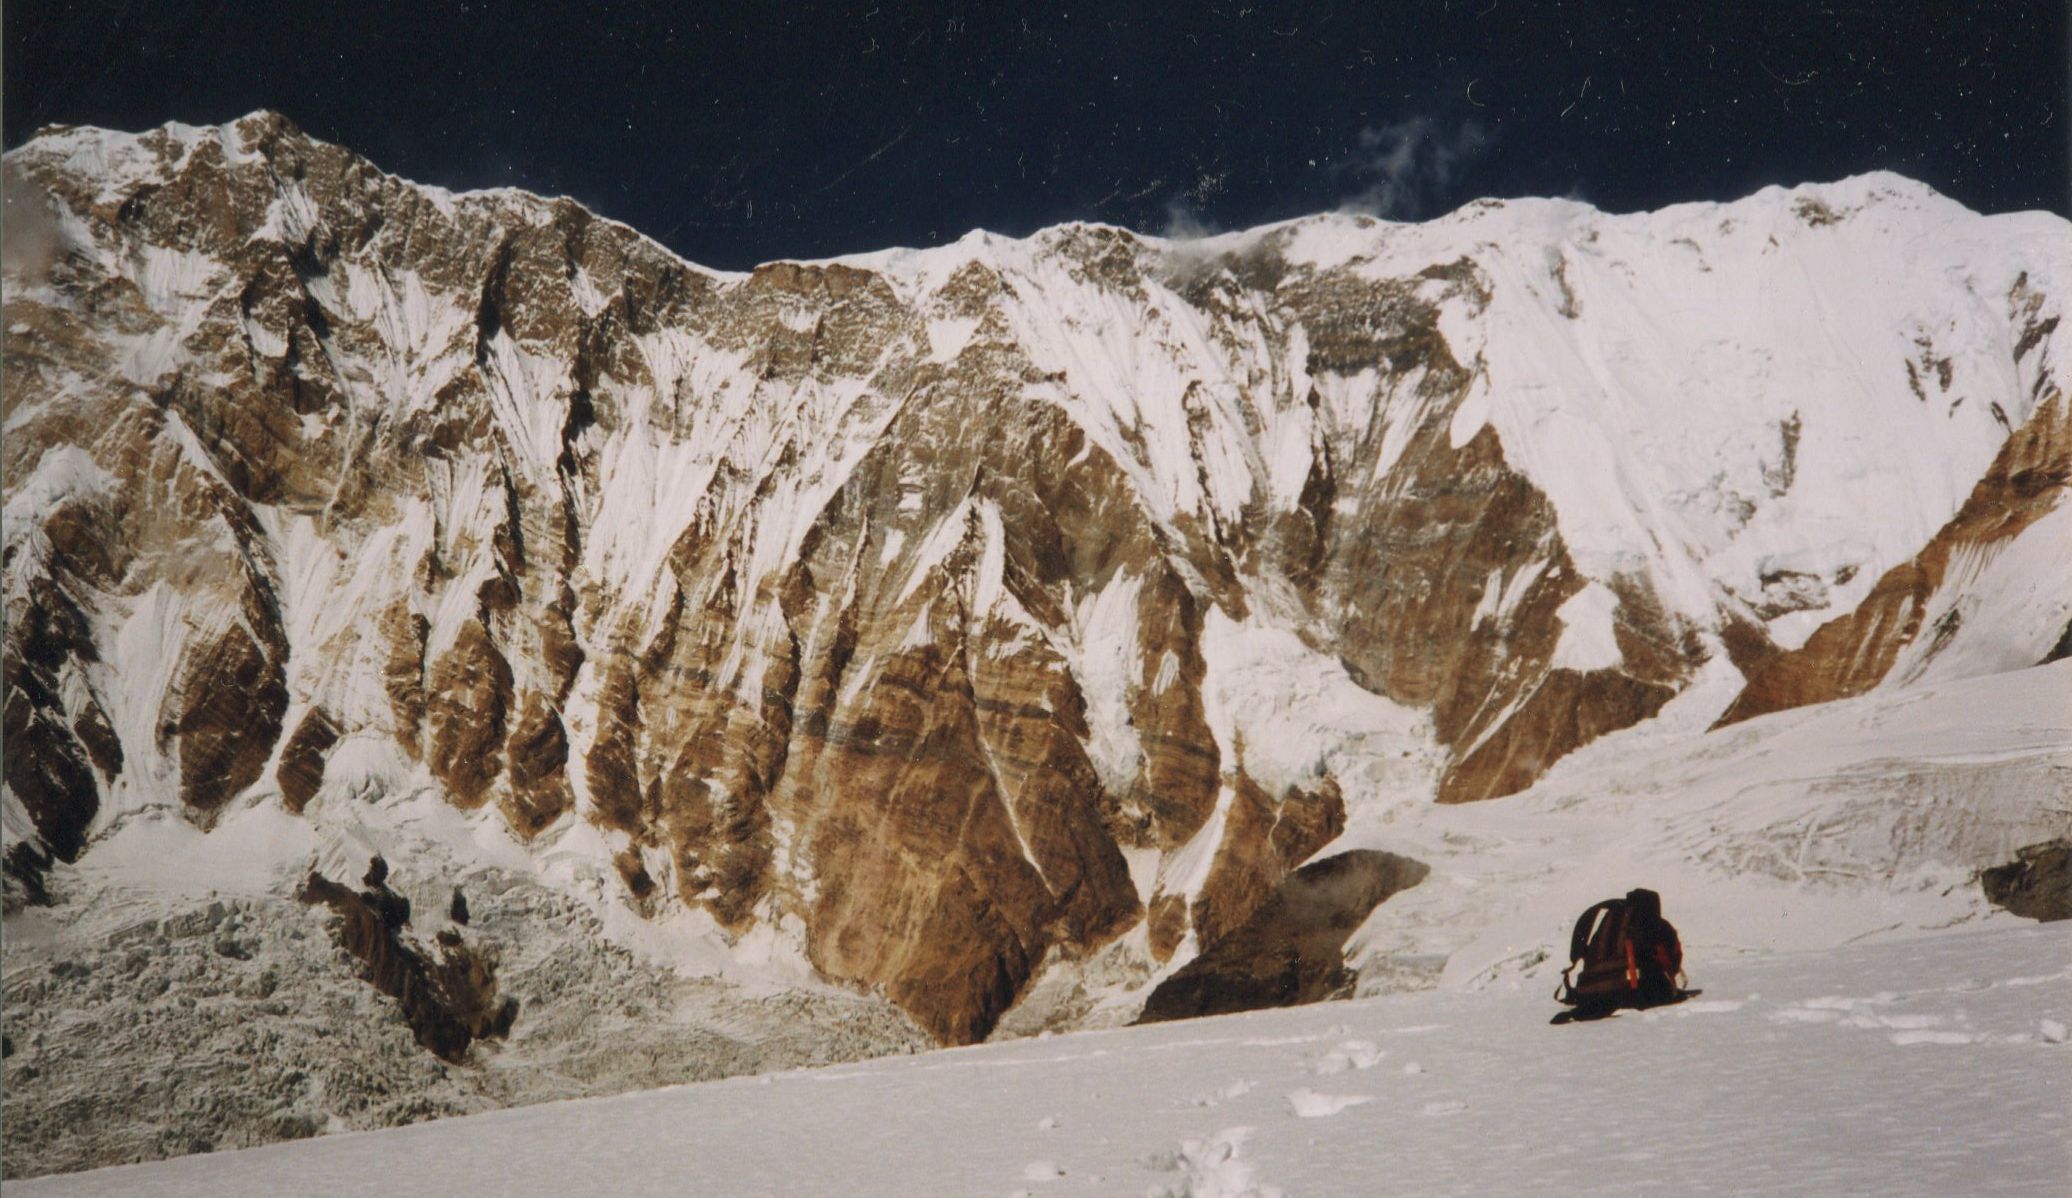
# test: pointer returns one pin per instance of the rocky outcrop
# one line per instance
(301, 771)
(2036, 885)
(865, 599)
(1292, 949)
(49, 769)
(447, 992)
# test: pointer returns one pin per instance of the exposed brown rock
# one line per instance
(1263, 841)
(1306, 821)
(638, 881)
(1407, 579)
(1568, 709)
(923, 885)
(615, 794)
(991, 714)
(47, 765)
(1292, 949)
(1035, 751)
(684, 761)
(2036, 885)
(448, 996)
(25, 865)
(467, 695)
(538, 752)
(48, 773)
(231, 697)
(1166, 921)
(1565, 708)
(404, 633)
(1176, 788)
(301, 771)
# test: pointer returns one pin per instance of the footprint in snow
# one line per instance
(1047, 1123)
(1449, 1107)
(2053, 1031)
(1905, 1038)
(1235, 1089)
(1910, 1022)
(1861, 1013)
(1803, 1015)
(1212, 1168)
(1041, 1171)
(1350, 1054)
(1308, 1104)
(1836, 1002)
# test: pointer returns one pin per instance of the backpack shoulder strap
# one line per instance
(1579, 940)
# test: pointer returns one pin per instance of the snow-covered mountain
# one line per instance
(998, 627)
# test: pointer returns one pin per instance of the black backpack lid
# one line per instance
(1646, 904)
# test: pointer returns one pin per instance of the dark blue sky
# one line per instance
(738, 133)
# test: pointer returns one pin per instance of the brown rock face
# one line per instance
(1263, 841)
(1403, 585)
(2036, 885)
(1292, 949)
(302, 758)
(1176, 787)
(232, 713)
(871, 600)
(467, 692)
(1854, 653)
(956, 826)
(48, 765)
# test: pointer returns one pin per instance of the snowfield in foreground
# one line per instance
(1927, 1066)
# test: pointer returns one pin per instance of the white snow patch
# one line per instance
(1103, 652)
(1308, 1104)
(948, 335)
(1588, 640)
(1299, 716)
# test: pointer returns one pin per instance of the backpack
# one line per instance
(1603, 945)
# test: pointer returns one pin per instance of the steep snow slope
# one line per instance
(1741, 407)
(1860, 818)
(1918, 1067)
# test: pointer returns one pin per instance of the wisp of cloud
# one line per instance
(1403, 166)
(30, 239)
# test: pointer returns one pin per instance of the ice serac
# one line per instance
(876, 601)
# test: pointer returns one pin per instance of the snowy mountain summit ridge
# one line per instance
(974, 618)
